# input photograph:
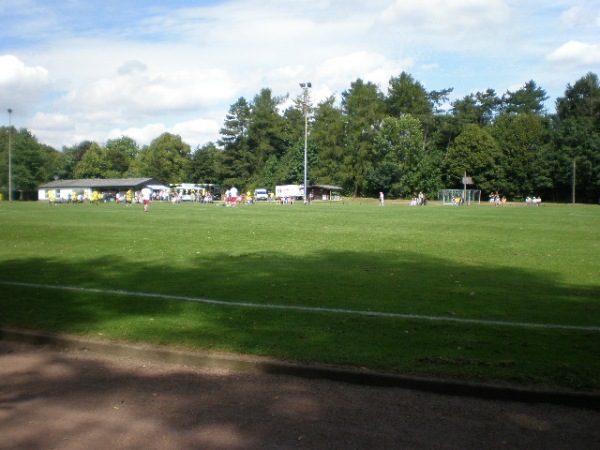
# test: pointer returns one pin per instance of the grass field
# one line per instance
(483, 293)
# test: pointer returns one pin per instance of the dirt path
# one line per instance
(73, 399)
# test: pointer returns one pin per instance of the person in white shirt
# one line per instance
(146, 194)
(234, 195)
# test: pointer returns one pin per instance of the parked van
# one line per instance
(261, 194)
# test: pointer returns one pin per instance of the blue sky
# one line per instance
(95, 70)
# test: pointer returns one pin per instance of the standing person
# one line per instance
(95, 197)
(146, 194)
(381, 199)
(234, 195)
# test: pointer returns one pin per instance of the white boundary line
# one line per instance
(310, 308)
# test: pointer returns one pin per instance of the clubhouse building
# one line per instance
(65, 190)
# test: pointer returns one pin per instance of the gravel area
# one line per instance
(76, 399)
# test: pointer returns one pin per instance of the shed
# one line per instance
(325, 192)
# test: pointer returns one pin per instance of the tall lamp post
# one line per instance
(305, 87)
(9, 157)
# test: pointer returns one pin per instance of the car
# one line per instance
(261, 194)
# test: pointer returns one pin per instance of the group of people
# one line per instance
(533, 201)
(71, 198)
(183, 196)
(497, 200)
(457, 200)
(419, 200)
(231, 196)
(147, 195)
(96, 197)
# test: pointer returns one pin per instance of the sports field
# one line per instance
(478, 292)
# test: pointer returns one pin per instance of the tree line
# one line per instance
(400, 142)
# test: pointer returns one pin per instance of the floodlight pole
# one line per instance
(305, 87)
(10, 184)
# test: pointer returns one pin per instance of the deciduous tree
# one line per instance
(476, 152)
(167, 159)
(400, 167)
(206, 164)
(522, 140)
(577, 140)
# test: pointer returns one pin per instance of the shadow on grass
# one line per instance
(402, 283)
(397, 283)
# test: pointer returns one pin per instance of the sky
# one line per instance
(78, 70)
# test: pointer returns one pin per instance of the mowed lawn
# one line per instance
(478, 292)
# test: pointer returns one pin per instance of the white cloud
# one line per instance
(155, 68)
(576, 54)
(198, 131)
(194, 132)
(130, 67)
(20, 85)
(373, 67)
(59, 129)
(447, 17)
(126, 97)
(580, 16)
(142, 135)
(54, 121)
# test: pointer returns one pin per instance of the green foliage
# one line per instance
(73, 155)
(522, 139)
(270, 176)
(407, 96)
(93, 164)
(32, 163)
(167, 159)
(527, 100)
(121, 153)
(206, 164)
(234, 141)
(253, 134)
(577, 140)
(475, 152)
(365, 144)
(364, 108)
(267, 134)
(328, 134)
(291, 167)
(91, 160)
(479, 108)
(582, 100)
(400, 170)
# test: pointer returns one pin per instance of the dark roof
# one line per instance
(101, 183)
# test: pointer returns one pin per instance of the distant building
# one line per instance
(63, 190)
(325, 192)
